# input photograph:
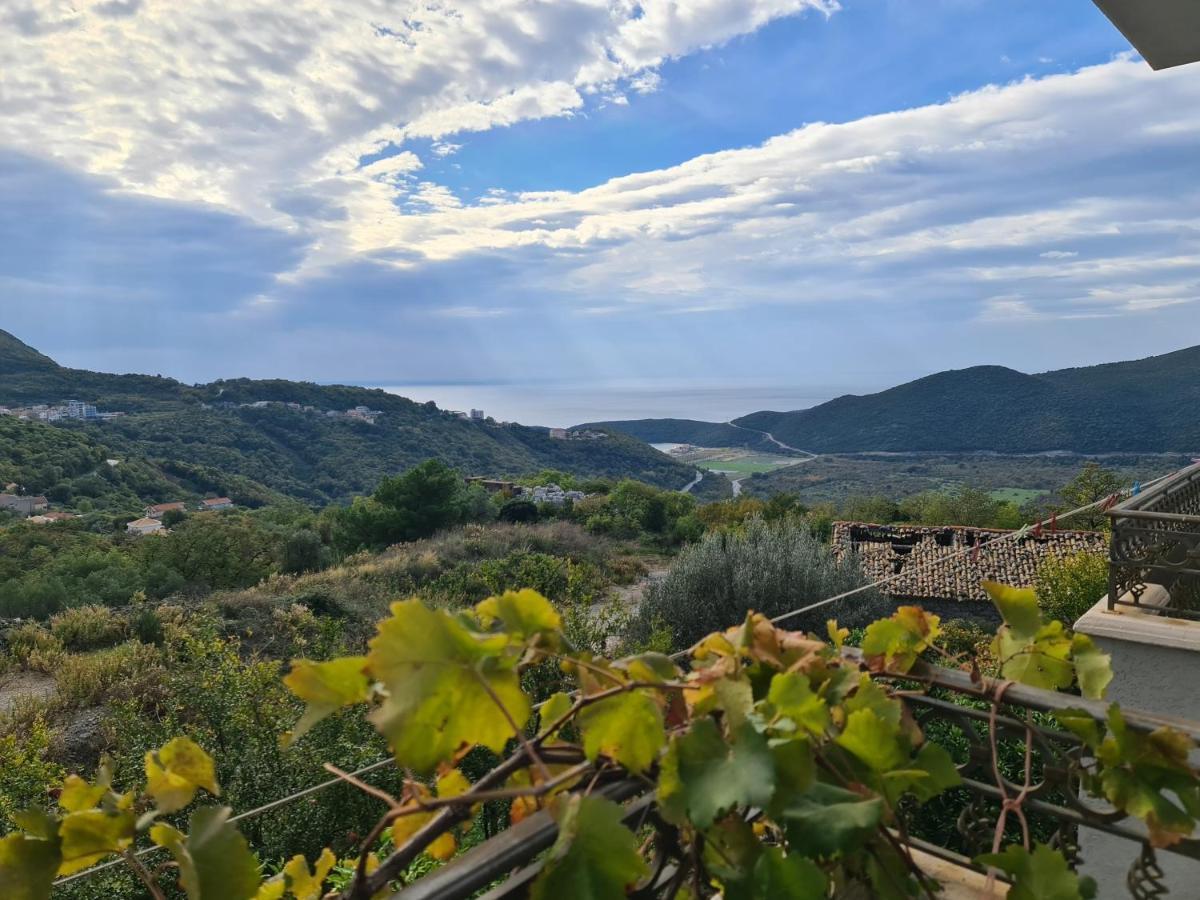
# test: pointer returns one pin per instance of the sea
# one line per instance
(563, 404)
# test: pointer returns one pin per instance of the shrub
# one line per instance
(89, 628)
(30, 643)
(1069, 587)
(768, 568)
(90, 679)
(25, 773)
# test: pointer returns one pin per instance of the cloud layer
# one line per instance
(267, 166)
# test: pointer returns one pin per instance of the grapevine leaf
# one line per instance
(524, 613)
(214, 861)
(1040, 875)
(795, 769)
(92, 834)
(828, 820)
(1041, 661)
(554, 709)
(1080, 723)
(837, 636)
(452, 784)
(175, 772)
(935, 761)
(1093, 667)
(791, 877)
(1018, 608)
(627, 727)
(442, 848)
(656, 667)
(874, 741)
(731, 848)
(793, 699)
(30, 861)
(306, 884)
(736, 698)
(440, 679)
(869, 695)
(595, 857)
(77, 795)
(326, 687)
(271, 890)
(703, 776)
(1138, 768)
(895, 643)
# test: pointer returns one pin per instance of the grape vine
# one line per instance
(780, 762)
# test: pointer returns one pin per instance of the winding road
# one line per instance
(778, 443)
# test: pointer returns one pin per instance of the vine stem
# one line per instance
(143, 875)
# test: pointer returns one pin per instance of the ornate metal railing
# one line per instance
(953, 710)
(1156, 541)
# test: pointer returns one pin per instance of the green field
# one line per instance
(738, 462)
(1019, 496)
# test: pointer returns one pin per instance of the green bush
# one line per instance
(768, 568)
(1069, 587)
(25, 772)
(89, 628)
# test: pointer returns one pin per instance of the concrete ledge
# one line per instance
(957, 882)
(1127, 623)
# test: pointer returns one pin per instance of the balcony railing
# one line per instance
(1156, 543)
(953, 710)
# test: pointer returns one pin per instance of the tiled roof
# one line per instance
(886, 550)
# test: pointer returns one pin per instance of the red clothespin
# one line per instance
(1054, 521)
(1037, 530)
(975, 552)
(1109, 503)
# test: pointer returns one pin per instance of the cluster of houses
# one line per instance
(68, 409)
(578, 434)
(887, 551)
(548, 493)
(151, 521)
(475, 415)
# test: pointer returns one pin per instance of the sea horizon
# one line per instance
(564, 404)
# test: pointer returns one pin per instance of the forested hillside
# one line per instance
(1145, 405)
(303, 454)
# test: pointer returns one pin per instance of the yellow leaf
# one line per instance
(524, 613)
(452, 784)
(174, 773)
(91, 835)
(326, 687)
(305, 884)
(77, 795)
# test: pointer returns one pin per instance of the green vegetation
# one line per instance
(1015, 496)
(193, 433)
(770, 568)
(1127, 406)
(1069, 587)
(785, 766)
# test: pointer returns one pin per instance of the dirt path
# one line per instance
(23, 684)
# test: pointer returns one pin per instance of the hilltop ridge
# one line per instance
(307, 454)
(1144, 405)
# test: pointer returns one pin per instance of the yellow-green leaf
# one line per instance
(554, 709)
(1040, 875)
(175, 772)
(627, 727)
(326, 687)
(445, 686)
(452, 784)
(1093, 667)
(77, 795)
(214, 861)
(524, 613)
(1018, 607)
(896, 642)
(29, 863)
(90, 835)
(793, 699)
(306, 884)
(702, 776)
(874, 741)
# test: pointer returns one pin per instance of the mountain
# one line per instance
(1145, 405)
(308, 455)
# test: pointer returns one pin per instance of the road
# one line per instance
(687, 489)
(778, 443)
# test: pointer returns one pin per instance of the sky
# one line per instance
(823, 195)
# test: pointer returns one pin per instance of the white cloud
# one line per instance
(1059, 254)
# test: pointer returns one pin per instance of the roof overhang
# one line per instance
(1165, 32)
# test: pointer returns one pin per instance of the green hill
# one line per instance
(1147, 405)
(306, 455)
